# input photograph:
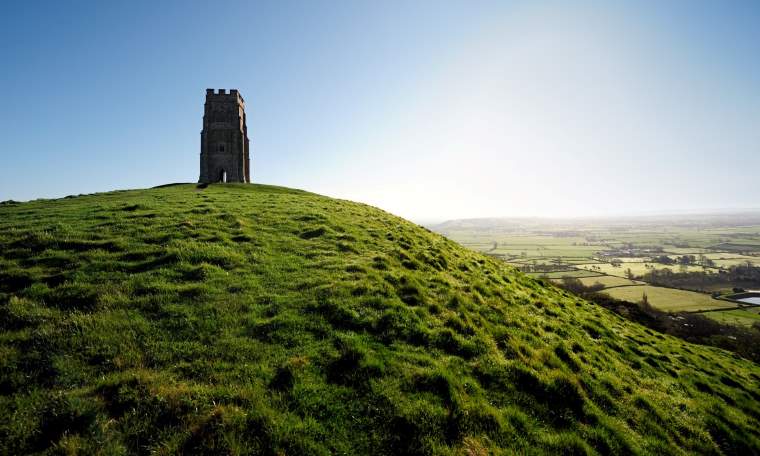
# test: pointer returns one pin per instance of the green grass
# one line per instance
(560, 274)
(746, 317)
(669, 299)
(247, 319)
(609, 281)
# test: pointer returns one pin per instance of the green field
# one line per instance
(560, 274)
(686, 250)
(250, 319)
(735, 261)
(638, 269)
(669, 299)
(609, 281)
(747, 317)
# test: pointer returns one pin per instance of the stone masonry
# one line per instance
(224, 139)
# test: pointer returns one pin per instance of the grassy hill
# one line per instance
(247, 319)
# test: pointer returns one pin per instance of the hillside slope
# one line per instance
(247, 319)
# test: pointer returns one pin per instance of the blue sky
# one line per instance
(430, 110)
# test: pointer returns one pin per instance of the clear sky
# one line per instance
(430, 110)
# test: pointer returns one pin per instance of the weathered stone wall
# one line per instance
(224, 138)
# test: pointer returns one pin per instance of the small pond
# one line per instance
(750, 300)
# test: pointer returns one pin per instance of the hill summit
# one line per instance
(250, 319)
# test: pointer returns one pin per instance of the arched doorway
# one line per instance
(223, 176)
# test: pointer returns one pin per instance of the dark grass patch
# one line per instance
(450, 342)
(568, 359)
(346, 248)
(355, 366)
(563, 397)
(58, 416)
(165, 260)
(284, 378)
(460, 326)
(339, 315)
(55, 280)
(310, 218)
(355, 268)
(242, 238)
(73, 296)
(313, 233)
(380, 263)
(134, 207)
(409, 291)
(399, 323)
(13, 281)
(437, 383)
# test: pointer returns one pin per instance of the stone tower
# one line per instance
(224, 139)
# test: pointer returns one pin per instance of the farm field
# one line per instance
(559, 274)
(604, 280)
(703, 251)
(637, 269)
(725, 263)
(609, 281)
(668, 299)
(569, 261)
(686, 250)
(731, 256)
(746, 316)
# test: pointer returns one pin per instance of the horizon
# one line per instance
(708, 212)
(432, 111)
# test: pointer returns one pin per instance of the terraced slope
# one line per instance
(247, 319)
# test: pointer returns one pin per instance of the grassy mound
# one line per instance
(246, 319)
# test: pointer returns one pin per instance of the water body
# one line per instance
(753, 300)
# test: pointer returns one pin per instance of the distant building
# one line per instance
(224, 139)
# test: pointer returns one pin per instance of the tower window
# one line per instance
(220, 148)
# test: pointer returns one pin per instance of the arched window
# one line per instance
(220, 147)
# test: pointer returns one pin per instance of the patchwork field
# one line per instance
(702, 251)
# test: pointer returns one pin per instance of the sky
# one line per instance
(431, 110)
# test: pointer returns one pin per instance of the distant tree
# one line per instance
(687, 259)
(645, 301)
(663, 259)
(629, 273)
(708, 263)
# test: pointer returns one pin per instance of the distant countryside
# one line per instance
(708, 264)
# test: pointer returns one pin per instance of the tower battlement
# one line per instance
(220, 94)
(224, 138)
